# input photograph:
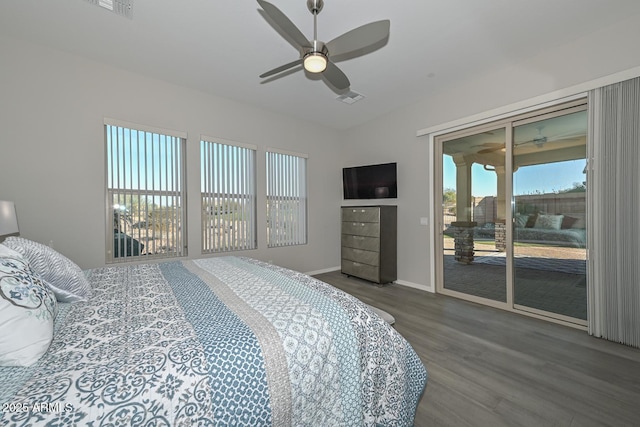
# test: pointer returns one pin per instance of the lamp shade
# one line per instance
(8, 218)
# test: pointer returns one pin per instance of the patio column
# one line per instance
(463, 241)
(501, 201)
(463, 188)
(501, 210)
(463, 227)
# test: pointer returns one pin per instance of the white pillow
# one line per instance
(549, 222)
(65, 278)
(27, 311)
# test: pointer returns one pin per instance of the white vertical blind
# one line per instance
(614, 294)
(286, 199)
(228, 191)
(144, 193)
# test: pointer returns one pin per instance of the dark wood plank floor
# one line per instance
(488, 367)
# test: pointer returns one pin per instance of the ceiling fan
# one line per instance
(314, 54)
(538, 140)
(491, 147)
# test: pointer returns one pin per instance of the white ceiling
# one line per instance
(222, 46)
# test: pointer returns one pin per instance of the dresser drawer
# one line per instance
(358, 255)
(361, 242)
(361, 214)
(371, 229)
(363, 271)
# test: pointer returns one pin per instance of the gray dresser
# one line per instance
(369, 242)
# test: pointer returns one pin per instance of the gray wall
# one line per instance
(52, 107)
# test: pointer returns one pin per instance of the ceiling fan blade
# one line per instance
(488, 150)
(336, 77)
(281, 68)
(285, 24)
(537, 140)
(359, 38)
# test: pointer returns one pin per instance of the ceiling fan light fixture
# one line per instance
(315, 62)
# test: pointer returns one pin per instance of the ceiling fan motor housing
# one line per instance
(316, 47)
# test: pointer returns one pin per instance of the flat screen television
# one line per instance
(370, 182)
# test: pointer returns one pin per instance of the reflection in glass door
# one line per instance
(549, 215)
(473, 215)
(512, 213)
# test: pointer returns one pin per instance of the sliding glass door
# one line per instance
(473, 215)
(511, 201)
(549, 198)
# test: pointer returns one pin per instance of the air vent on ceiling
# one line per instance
(119, 7)
(350, 97)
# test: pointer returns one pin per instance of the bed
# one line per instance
(212, 341)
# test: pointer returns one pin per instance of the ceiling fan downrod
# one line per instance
(315, 7)
(315, 59)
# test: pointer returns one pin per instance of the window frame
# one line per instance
(246, 155)
(171, 161)
(291, 224)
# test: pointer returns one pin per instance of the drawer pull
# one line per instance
(358, 237)
(356, 264)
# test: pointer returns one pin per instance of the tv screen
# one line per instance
(370, 182)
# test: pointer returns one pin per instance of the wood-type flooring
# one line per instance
(489, 367)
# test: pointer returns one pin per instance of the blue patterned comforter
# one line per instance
(216, 341)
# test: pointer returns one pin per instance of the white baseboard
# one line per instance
(416, 286)
(399, 282)
(324, 270)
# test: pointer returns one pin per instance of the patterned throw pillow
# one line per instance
(521, 220)
(65, 278)
(567, 222)
(27, 311)
(531, 221)
(549, 222)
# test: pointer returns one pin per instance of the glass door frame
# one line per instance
(574, 107)
(508, 125)
(439, 223)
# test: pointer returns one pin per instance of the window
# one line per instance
(286, 199)
(145, 199)
(228, 191)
